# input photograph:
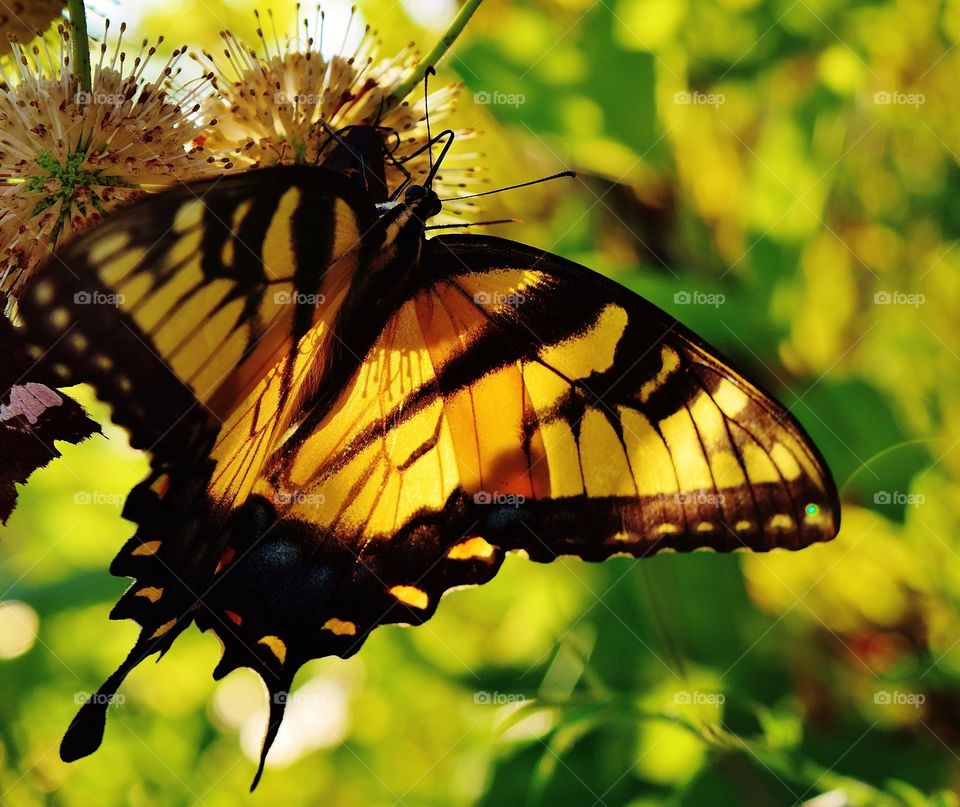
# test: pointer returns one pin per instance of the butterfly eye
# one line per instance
(414, 194)
(425, 201)
(418, 194)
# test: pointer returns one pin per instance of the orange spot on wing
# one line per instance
(147, 548)
(226, 558)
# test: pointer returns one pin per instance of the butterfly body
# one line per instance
(355, 419)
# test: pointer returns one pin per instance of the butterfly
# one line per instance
(348, 418)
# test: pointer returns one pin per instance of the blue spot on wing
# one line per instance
(502, 517)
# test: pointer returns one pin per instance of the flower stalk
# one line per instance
(81, 43)
(404, 89)
(277, 104)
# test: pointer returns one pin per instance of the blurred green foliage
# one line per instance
(796, 160)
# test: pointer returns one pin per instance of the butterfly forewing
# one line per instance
(202, 291)
(553, 401)
(187, 312)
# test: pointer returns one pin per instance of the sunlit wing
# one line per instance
(202, 290)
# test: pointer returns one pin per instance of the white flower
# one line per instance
(67, 156)
(278, 106)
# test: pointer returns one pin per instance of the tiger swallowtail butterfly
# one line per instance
(347, 418)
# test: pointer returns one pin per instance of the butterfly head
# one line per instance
(422, 201)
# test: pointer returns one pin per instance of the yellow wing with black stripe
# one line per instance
(203, 291)
(601, 423)
(200, 315)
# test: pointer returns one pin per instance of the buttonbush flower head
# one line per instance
(69, 156)
(277, 104)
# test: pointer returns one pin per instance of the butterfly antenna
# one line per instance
(447, 135)
(379, 116)
(472, 224)
(426, 114)
(512, 187)
(332, 134)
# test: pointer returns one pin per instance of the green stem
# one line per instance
(865, 465)
(81, 43)
(789, 765)
(435, 55)
(814, 777)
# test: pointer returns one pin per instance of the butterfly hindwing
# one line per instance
(635, 435)
(531, 381)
